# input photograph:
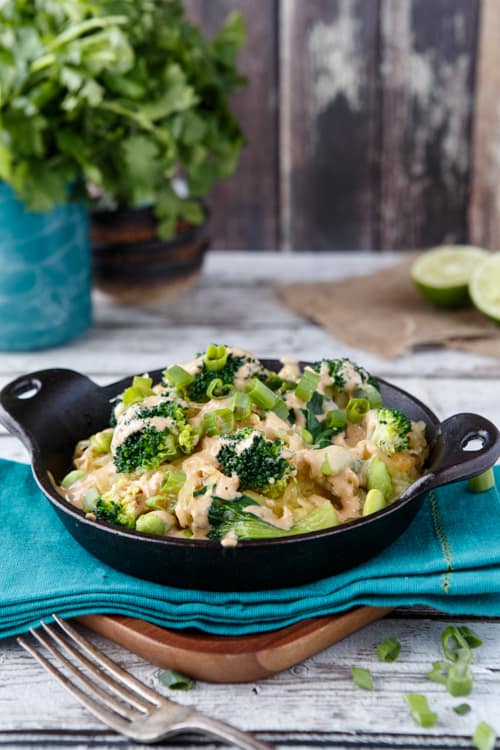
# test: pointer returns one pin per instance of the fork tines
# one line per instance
(116, 697)
(136, 698)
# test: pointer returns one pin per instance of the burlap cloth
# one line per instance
(383, 313)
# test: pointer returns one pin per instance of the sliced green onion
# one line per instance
(215, 357)
(455, 638)
(73, 477)
(484, 736)
(174, 680)
(209, 424)
(90, 499)
(306, 436)
(225, 420)
(378, 477)
(260, 394)
(307, 385)
(281, 409)
(371, 394)
(419, 710)
(217, 422)
(101, 441)
(472, 639)
(336, 419)
(374, 501)
(217, 389)
(173, 481)
(326, 469)
(356, 409)
(362, 678)
(459, 680)
(156, 502)
(388, 650)
(241, 405)
(140, 388)
(274, 381)
(178, 376)
(462, 709)
(483, 482)
(142, 382)
(439, 672)
(132, 396)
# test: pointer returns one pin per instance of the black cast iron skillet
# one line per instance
(50, 410)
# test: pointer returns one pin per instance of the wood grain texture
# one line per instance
(244, 207)
(231, 659)
(328, 126)
(234, 301)
(427, 79)
(485, 200)
(359, 115)
(314, 703)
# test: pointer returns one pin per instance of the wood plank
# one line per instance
(233, 301)
(314, 700)
(427, 77)
(328, 127)
(244, 207)
(485, 199)
(120, 350)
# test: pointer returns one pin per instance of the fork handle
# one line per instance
(197, 722)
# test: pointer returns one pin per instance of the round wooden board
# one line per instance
(229, 659)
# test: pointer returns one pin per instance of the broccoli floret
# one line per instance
(113, 510)
(344, 372)
(169, 409)
(258, 462)
(187, 439)
(391, 433)
(217, 370)
(197, 390)
(230, 516)
(149, 447)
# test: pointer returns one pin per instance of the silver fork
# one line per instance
(141, 713)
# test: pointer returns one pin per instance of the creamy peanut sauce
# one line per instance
(223, 403)
(336, 474)
(285, 521)
(130, 422)
(290, 369)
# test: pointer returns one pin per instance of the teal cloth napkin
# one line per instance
(449, 558)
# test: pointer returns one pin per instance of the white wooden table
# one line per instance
(314, 703)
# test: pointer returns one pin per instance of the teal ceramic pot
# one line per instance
(45, 274)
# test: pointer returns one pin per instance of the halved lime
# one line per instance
(442, 274)
(484, 287)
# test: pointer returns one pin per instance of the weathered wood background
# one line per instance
(370, 124)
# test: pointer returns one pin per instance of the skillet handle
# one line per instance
(39, 408)
(455, 461)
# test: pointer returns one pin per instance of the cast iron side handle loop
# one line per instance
(27, 402)
(456, 462)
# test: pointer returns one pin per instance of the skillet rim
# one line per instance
(43, 479)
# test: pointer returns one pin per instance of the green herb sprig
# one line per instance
(114, 101)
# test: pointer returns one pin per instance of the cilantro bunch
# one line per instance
(113, 99)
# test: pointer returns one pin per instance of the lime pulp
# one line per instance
(442, 274)
(484, 287)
